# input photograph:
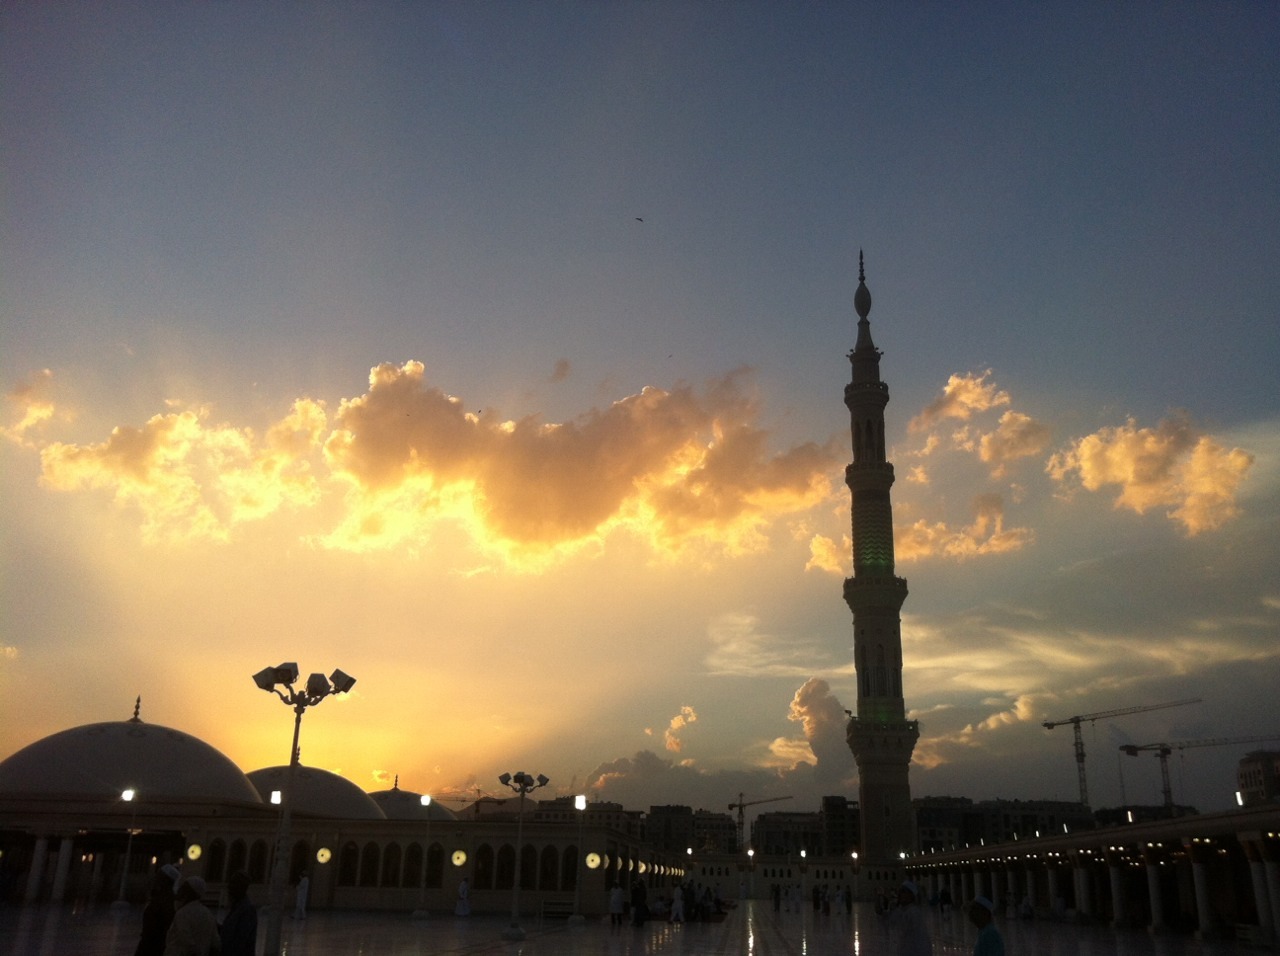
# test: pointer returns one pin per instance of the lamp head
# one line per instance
(425, 799)
(342, 683)
(266, 678)
(543, 780)
(318, 686)
(505, 780)
(287, 674)
(580, 802)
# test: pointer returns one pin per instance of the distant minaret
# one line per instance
(880, 736)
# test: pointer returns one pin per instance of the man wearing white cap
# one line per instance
(908, 919)
(194, 931)
(990, 942)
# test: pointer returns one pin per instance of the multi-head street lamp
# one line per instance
(317, 688)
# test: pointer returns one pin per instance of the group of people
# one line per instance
(689, 901)
(907, 917)
(823, 897)
(176, 922)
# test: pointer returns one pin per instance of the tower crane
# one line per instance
(1080, 718)
(742, 805)
(1164, 750)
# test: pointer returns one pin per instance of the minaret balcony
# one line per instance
(868, 475)
(880, 590)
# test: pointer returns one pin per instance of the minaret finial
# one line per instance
(861, 275)
(396, 784)
(137, 709)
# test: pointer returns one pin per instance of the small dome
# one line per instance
(99, 761)
(319, 793)
(400, 804)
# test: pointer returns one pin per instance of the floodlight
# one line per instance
(318, 686)
(505, 780)
(286, 673)
(580, 802)
(425, 799)
(128, 794)
(342, 683)
(266, 678)
(543, 780)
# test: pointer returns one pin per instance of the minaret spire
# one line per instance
(880, 736)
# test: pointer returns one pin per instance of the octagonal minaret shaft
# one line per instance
(880, 736)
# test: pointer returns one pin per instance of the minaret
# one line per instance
(880, 736)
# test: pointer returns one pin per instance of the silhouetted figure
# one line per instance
(907, 918)
(639, 903)
(617, 905)
(239, 932)
(981, 915)
(156, 916)
(194, 931)
(463, 907)
(300, 897)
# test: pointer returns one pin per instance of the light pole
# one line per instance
(580, 804)
(317, 689)
(522, 783)
(127, 796)
(421, 911)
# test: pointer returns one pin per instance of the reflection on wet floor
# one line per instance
(750, 930)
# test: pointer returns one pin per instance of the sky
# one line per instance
(494, 353)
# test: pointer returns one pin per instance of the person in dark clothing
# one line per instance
(239, 931)
(156, 916)
(639, 903)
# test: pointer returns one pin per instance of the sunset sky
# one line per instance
(495, 353)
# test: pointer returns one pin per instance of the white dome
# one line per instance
(400, 804)
(99, 761)
(319, 793)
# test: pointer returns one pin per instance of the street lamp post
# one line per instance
(522, 783)
(127, 796)
(318, 687)
(421, 911)
(580, 804)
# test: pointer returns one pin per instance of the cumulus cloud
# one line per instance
(192, 479)
(1170, 466)
(676, 468)
(31, 406)
(826, 555)
(961, 397)
(825, 722)
(985, 535)
(671, 736)
(1016, 436)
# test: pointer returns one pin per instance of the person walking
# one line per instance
(617, 905)
(194, 931)
(156, 915)
(239, 931)
(982, 915)
(907, 917)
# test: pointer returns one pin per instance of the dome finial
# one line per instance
(137, 708)
(396, 784)
(861, 275)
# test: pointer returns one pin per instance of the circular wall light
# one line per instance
(194, 851)
(593, 861)
(324, 855)
(459, 857)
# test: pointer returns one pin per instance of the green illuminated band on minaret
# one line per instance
(880, 736)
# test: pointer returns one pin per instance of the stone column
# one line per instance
(1204, 912)
(60, 871)
(1083, 885)
(1253, 851)
(1011, 894)
(35, 878)
(1155, 897)
(1053, 890)
(1115, 869)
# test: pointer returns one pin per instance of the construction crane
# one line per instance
(1164, 750)
(1081, 718)
(742, 805)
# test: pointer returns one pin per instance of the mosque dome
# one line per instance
(400, 804)
(100, 761)
(319, 793)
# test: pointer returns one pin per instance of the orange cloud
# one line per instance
(190, 479)
(1016, 436)
(1167, 466)
(676, 469)
(961, 397)
(671, 737)
(32, 406)
(985, 536)
(826, 555)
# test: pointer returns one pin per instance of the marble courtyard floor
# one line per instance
(751, 930)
